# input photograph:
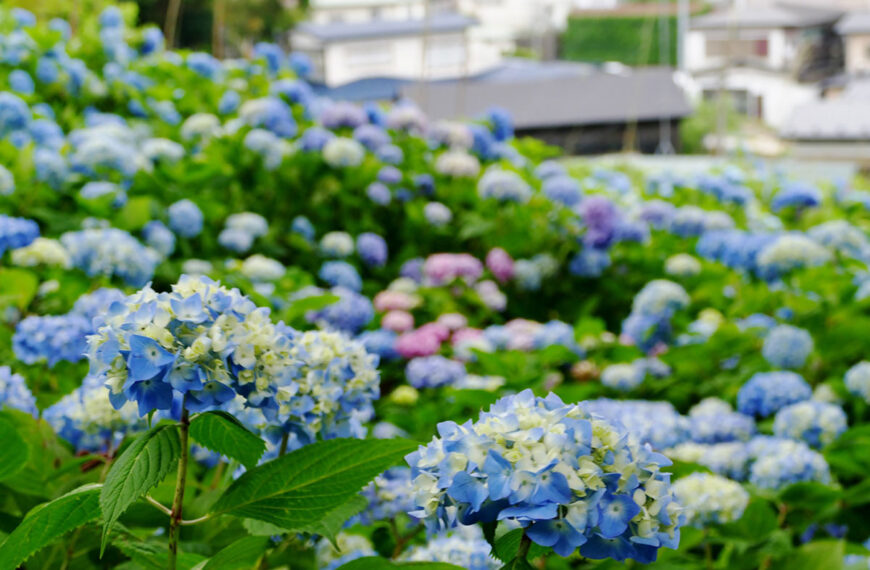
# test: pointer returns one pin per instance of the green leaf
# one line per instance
(810, 495)
(240, 555)
(14, 451)
(376, 563)
(144, 464)
(152, 556)
(17, 287)
(48, 521)
(262, 528)
(850, 453)
(827, 554)
(518, 564)
(334, 520)
(301, 488)
(508, 545)
(224, 434)
(756, 524)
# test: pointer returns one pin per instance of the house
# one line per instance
(767, 57)
(434, 47)
(854, 27)
(356, 11)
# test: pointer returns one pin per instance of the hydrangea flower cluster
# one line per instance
(16, 232)
(655, 423)
(390, 494)
(185, 218)
(110, 251)
(766, 392)
(465, 547)
(779, 463)
(713, 421)
(14, 392)
(89, 422)
(816, 423)
(350, 313)
(789, 252)
(61, 337)
(569, 478)
(350, 547)
(434, 371)
(858, 380)
(622, 376)
(201, 340)
(710, 499)
(651, 312)
(787, 346)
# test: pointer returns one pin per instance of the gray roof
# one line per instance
(584, 98)
(767, 16)
(837, 119)
(844, 118)
(341, 31)
(854, 23)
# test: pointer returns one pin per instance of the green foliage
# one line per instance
(49, 521)
(630, 40)
(144, 464)
(375, 563)
(240, 555)
(224, 434)
(302, 488)
(14, 451)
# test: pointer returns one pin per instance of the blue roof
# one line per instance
(369, 89)
(337, 31)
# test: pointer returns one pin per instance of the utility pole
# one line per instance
(665, 146)
(169, 28)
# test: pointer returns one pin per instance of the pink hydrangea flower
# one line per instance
(500, 264)
(398, 321)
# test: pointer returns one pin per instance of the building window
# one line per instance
(369, 54)
(737, 48)
(741, 100)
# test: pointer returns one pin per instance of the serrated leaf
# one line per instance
(335, 519)
(144, 464)
(151, 556)
(508, 544)
(240, 555)
(262, 528)
(518, 564)
(14, 451)
(224, 434)
(301, 488)
(376, 563)
(47, 522)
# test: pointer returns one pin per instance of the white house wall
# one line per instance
(780, 94)
(447, 55)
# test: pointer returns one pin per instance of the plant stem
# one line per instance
(175, 517)
(283, 448)
(525, 544)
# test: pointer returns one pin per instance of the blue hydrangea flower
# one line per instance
(465, 547)
(51, 338)
(21, 82)
(779, 463)
(16, 232)
(110, 251)
(89, 422)
(622, 376)
(341, 274)
(796, 195)
(504, 186)
(381, 342)
(185, 218)
(14, 114)
(787, 346)
(372, 249)
(302, 226)
(505, 467)
(270, 113)
(655, 423)
(767, 392)
(159, 238)
(390, 494)
(14, 392)
(590, 262)
(434, 371)
(857, 380)
(815, 423)
(350, 313)
(713, 421)
(379, 193)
